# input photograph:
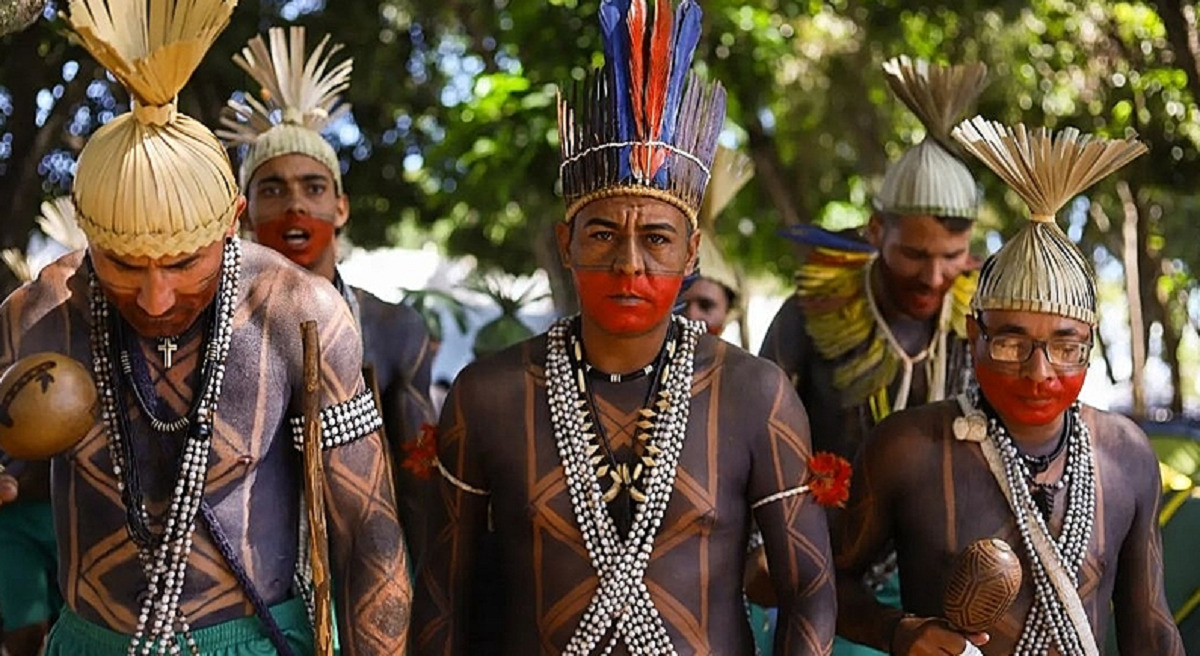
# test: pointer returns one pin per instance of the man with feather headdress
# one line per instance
(620, 457)
(296, 204)
(1074, 490)
(178, 513)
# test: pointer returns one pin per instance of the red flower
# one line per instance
(420, 455)
(830, 482)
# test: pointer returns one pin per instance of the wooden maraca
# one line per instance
(983, 585)
(47, 404)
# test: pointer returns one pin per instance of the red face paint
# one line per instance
(1031, 403)
(309, 237)
(625, 304)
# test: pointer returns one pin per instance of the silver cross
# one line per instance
(167, 346)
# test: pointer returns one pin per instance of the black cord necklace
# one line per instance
(138, 517)
(137, 375)
(628, 494)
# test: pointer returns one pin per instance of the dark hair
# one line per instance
(954, 224)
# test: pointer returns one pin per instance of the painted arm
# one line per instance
(862, 532)
(406, 408)
(457, 518)
(1143, 619)
(373, 590)
(794, 530)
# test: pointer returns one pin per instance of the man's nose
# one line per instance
(157, 296)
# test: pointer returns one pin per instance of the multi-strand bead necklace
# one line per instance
(164, 555)
(1048, 620)
(621, 608)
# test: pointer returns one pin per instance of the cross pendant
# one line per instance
(167, 347)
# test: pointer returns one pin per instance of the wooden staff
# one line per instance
(314, 490)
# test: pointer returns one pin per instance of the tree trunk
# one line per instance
(1179, 19)
(1137, 327)
(545, 248)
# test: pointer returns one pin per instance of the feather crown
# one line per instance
(300, 97)
(152, 182)
(1040, 269)
(644, 124)
(929, 178)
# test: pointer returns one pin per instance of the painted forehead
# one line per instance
(620, 207)
(1033, 322)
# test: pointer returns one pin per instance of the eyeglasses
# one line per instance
(1017, 349)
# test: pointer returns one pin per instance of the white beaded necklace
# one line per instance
(165, 563)
(622, 597)
(1048, 619)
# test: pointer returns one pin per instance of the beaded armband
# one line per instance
(342, 423)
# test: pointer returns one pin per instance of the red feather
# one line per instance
(830, 483)
(656, 87)
(660, 67)
(637, 61)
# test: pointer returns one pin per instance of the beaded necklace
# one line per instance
(1048, 621)
(130, 352)
(621, 608)
(164, 557)
(625, 476)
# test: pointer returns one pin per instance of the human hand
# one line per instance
(8, 489)
(932, 636)
(757, 579)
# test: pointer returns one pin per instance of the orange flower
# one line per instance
(420, 455)
(830, 482)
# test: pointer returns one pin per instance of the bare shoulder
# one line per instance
(397, 315)
(1114, 429)
(56, 284)
(1119, 440)
(288, 293)
(911, 432)
(751, 376)
(493, 380)
(48, 312)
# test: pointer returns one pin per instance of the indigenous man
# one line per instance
(1073, 489)
(618, 457)
(29, 596)
(874, 330)
(297, 204)
(178, 513)
(868, 333)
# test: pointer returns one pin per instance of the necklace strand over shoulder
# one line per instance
(1048, 622)
(165, 559)
(621, 609)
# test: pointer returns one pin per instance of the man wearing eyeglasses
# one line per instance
(1072, 489)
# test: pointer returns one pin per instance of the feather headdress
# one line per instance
(1040, 269)
(929, 178)
(643, 124)
(152, 182)
(300, 97)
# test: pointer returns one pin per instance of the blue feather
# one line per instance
(615, 35)
(811, 235)
(687, 35)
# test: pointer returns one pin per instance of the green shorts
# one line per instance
(28, 565)
(74, 636)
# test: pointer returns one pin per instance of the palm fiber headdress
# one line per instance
(929, 178)
(152, 182)
(299, 98)
(643, 124)
(731, 170)
(1040, 269)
